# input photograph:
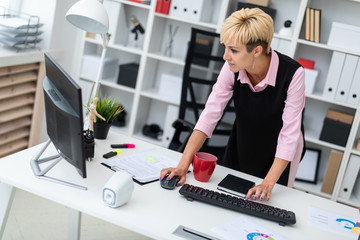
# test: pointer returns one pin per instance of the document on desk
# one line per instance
(244, 228)
(144, 166)
(333, 222)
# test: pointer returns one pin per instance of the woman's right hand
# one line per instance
(178, 172)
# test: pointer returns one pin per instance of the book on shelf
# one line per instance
(307, 24)
(312, 24)
(331, 172)
(317, 24)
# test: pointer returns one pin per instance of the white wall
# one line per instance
(58, 34)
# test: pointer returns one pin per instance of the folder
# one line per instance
(333, 77)
(354, 94)
(176, 8)
(351, 173)
(200, 10)
(165, 6)
(317, 22)
(346, 77)
(158, 6)
(331, 172)
(307, 24)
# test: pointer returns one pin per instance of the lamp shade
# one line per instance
(89, 15)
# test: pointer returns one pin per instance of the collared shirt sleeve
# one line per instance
(290, 134)
(220, 95)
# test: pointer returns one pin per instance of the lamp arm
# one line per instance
(105, 38)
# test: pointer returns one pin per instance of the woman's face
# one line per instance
(237, 56)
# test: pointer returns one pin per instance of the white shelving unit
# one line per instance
(145, 105)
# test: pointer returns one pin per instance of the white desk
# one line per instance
(153, 211)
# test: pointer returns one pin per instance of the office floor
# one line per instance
(32, 217)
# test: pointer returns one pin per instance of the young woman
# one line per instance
(269, 96)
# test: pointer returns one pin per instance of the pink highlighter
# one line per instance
(124, 145)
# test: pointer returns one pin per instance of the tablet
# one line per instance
(235, 185)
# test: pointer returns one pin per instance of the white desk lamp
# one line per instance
(91, 16)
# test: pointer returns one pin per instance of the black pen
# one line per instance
(124, 145)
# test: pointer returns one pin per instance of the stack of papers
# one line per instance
(18, 32)
(143, 166)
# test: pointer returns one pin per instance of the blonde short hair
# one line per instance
(250, 27)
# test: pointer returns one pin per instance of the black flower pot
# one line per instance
(101, 130)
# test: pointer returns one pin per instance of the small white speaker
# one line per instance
(118, 190)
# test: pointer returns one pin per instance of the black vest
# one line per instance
(252, 144)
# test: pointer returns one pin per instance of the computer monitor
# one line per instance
(64, 120)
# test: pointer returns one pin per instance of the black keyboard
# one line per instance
(281, 216)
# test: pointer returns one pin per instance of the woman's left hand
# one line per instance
(261, 192)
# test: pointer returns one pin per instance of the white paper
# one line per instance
(332, 222)
(244, 228)
(143, 166)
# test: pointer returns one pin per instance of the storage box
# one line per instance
(128, 74)
(91, 64)
(170, 85)
(202, 46)
(340, 116)
(264, 3)
(335, 132)
(344, 36)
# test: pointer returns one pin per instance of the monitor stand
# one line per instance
(35, 165)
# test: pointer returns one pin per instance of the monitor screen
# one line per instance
(63, 113)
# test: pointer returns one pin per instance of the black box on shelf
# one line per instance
(270, 11)
(203, 46)
(128, 74)
(335, 132)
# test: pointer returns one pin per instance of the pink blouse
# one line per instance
(290, 136)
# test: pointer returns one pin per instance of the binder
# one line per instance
(176, 8)
(331, 172)
(307, 24)
(333, 77)
(354, 93)
(346, 77)
(317, 22)
(158, 6)
(165, 6)
(199, 10)
(351, 173)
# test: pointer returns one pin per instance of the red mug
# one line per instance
(204, 166)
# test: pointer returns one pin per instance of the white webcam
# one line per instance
(118, 190)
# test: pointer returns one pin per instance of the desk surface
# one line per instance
(153, 211)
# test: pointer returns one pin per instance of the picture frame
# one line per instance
(309, 166)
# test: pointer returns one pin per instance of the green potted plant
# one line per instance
(107, 109)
